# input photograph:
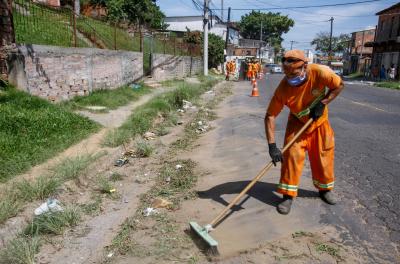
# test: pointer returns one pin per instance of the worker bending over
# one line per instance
(303, 91)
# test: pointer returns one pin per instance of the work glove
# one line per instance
(275, 153)
(317, 111)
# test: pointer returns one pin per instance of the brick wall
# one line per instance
(58, 73)
(166, 67)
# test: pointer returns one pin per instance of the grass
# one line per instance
(115, 176)
(94, 207)
(9, 207)
(144, 149)
(54, 222)
(390, 85)
(38, 189)
(104, 185)
(71, 168)
(33, 130)
(355, 75)
(111, 99)
(325, 248)
(21, 250)
(143, 118)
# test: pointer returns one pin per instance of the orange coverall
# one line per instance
(317, 140)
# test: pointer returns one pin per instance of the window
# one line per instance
(248, 53)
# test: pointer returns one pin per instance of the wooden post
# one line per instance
(115, 35)
(74, 25)
(7, 35)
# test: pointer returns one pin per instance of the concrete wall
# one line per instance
(58, 73)
(166, 67)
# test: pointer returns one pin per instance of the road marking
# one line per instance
(367, 105)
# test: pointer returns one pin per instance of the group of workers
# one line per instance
(230, 69)
(252, 69)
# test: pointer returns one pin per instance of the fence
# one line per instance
(39, 24)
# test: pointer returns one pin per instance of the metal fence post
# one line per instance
(74, 25)
(115, 35)
(174, 46)
(165, 42)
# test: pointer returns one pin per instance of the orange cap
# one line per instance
(297, 55)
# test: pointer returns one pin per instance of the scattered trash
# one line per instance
(178, 166)
(112, 190)
(200, 123)
(51, 205)
(180, 111)
(160, 203)
(149, 211)
(186, 104)
(121, 162)
(180, 122)
(209, 92)
(135, 86)
(110, 255)
(149, 135)
(95, 108)
(168, 179)
(129, 153)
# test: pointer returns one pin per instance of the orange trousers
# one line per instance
(320, 145)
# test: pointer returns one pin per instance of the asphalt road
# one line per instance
(366, 121)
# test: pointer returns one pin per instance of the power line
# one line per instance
(310, 6)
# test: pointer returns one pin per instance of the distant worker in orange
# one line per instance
(249, 70)
(303, 90)
(228, 70)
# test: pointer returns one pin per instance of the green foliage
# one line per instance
(339, 43)
(144, 149)
(273, 24)
(144, 12)
(33, 130)
(390, 85)
(54, 222)
(38, 189)
(216, 47)
(21, 250)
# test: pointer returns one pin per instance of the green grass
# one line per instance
(43, 26)
(110, 99)
(9, 206)
(38, 189)
(21, 250)
(54, 222)
(355, 75)
(104, 185)
(390, 85)
(33, 130)
(71, 168)
(142, 119)
(325, 248)
(144, 149)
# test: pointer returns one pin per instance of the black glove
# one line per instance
(275, 153)
(317, 111)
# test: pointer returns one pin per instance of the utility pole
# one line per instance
(205, 44)
(222, 10)
(227, 33)
(291, 44)
(330, 43)
(261, 35)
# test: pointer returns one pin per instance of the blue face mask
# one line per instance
(296, 81)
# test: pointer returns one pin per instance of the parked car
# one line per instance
(274, 68)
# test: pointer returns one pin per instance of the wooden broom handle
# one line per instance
(259, 175)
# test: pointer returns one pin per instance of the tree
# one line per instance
(216, 47)
(144, 12)
(273, 26)
(339, 43)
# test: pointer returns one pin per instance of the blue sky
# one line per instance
(308, 22)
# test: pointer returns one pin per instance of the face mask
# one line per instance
(296, 81)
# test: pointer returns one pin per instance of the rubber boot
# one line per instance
(284, 206)
(328, 197)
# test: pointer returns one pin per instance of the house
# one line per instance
(386, 46)
(251, 48)
(359, 57)
(180, 25)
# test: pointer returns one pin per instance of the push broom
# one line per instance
(203, 232)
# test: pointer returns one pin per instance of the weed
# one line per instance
(162, 130)
(9, 207)
(144, 149)
(94, 207)
(71, 168)
(325, 248)
(116, 137)
(39, 189)
(104, 185)
(115, 176)
(21, 250)
(302, 234)
(54, 222)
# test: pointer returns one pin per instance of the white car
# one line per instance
(274, 68)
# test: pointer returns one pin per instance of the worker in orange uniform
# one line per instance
(228, 70)
(249, 70)
(305, 90)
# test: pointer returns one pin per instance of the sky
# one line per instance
(308, 22)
